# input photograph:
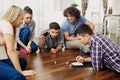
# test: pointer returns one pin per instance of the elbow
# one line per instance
(92, 26)
(97, 69)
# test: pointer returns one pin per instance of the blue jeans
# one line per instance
(24, 37)
(8, 72)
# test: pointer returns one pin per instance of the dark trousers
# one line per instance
(24, 37)
(8, 72)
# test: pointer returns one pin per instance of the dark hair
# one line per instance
(54, 25)
(27, 9)
(72, 11)
(83, 29)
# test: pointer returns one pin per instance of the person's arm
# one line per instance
(69, 38)
(65, 28)
(18, 38)
(28, 49)
(55, 50)
(13, 55)
(41, 42)
(32, 26)
(21, 44)
(82, 59)
(58, 48)
(96, 56)
(92, 26)
(11, 51)
(29, 43)
(87, 59)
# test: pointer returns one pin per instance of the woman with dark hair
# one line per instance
(72, 21)
(25, 33)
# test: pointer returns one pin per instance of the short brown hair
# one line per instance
(83, 29)
(27, 9)
(54, 25)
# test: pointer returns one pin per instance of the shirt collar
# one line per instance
(90, 43)
(23, 23)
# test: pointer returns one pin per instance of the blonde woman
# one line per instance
(11, 69)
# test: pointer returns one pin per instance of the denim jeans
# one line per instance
(8, 72)
(24, 37)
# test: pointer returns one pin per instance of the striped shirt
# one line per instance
(104, 52)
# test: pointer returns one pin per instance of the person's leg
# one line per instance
(22, 61)
(34, 47)
(76, 45)
(9, 73)
(24, 35)
(73, 44)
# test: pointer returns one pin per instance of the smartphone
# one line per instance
(46, 34)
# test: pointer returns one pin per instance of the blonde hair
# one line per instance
(12, 13)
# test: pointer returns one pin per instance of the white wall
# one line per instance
(46, 11)
(116, 6)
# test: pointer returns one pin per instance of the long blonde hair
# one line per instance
(12, 13)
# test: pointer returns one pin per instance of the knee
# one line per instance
(35, 48)
(25, 30)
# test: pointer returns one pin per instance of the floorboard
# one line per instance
(57, 67)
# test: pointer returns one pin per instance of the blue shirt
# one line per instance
(68, 27)
(22, 25)
(104, 52)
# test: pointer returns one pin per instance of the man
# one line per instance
(52, 38)
(103, 51)
(72, 21)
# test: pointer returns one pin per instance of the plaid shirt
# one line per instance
(104, 52)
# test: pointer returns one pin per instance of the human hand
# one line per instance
(53, 50)
(29, 46)
(80, 59)
(43, 37)
(29, 73)
(28, 49)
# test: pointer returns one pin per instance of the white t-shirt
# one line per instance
(5, 28)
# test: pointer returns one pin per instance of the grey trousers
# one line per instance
(76, 44)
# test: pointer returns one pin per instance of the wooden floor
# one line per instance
(56, 67)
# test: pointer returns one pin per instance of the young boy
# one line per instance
(52, 38)
(103, 51)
